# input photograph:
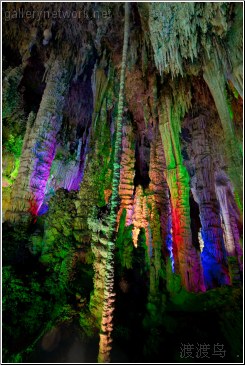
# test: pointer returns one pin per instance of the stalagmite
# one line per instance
(126, 186)
(186, 258)
(39, 147)
(230, 217)
(122, 180)
(106, 323)
(158, 184)
(203, 188)
(214, 77)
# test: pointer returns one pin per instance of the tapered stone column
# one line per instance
(186, 257)
(214, 76)
(39, 147)
(213, 255)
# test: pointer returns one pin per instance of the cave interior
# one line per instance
(122, 175)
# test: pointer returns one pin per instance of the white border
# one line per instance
(115, 1)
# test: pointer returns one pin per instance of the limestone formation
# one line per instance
(122, 175)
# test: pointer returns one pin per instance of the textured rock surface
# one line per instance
(127, 172)
(154, 181)
(203, 189)
(39, 148)
(215, 79)
(187, 261)
(122, 168)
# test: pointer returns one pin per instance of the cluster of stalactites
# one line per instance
(173, 105)
(179, 30)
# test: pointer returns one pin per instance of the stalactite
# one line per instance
(123, 210)
(187, 261)
(126, 186)
(140, 215)
(158, 184)
(203, 189)
(166, 20)
(40, 142)
(90, 229)
(155, 246)
(88, 226)
(108, 307)
(99, 86)
(221, 191)
(234, 64)
(230, 217)
(100, 231)
(215, 79)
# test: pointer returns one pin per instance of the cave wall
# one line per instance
(180, 139)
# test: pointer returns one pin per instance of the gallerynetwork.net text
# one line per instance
(59, 14)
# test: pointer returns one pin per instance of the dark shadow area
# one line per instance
(32, 85)
(142, 161)
(195, 221)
